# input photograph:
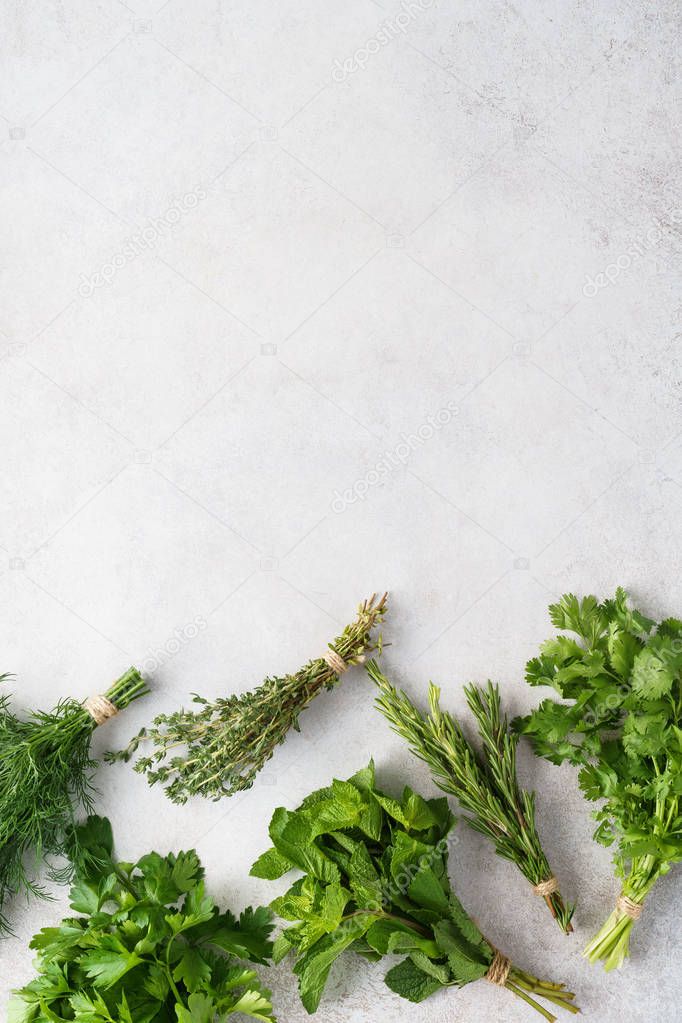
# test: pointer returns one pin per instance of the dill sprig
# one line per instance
(485, 784)
(219, 750)
(45, 779)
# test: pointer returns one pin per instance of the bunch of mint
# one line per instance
(375, 881)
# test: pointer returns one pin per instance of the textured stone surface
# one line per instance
(301, 300)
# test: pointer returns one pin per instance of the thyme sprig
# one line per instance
(45, 778)
(219, 750)
(484, 783)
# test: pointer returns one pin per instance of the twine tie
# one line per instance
(498, 971)
(335, 661)
(545, 888)
(100, 709)
(629, 907)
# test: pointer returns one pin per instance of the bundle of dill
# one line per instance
(219, 750)
(484, 783)
(45, 778)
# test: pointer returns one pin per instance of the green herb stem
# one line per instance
(46, 775)
(485, 784)
(219, 749)
(620, 679)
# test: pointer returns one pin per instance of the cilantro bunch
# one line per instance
(375, 881)
(151, 948)
(46, 774)
(623, 729)
(219, 749)
(484, 781)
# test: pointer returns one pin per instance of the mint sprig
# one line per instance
(374, 881)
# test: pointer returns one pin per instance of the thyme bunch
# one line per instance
(45, 778)
(219, 749)
(484, 783)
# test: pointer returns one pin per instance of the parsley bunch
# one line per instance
(623, 729)
(219, 750)
(484, 783)
(45, 778)
(375, 881)
(152, 946)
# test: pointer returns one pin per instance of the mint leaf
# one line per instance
(408, 981)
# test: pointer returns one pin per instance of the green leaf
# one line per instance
(651, 678)
(21, 1011)
(281, 948)
(192, 970)
(84, 897)
(156, 982)
(408, 981)
(90, 847)
(623, 648)
(200, 1009)
(124, 1014)
(387, 936)
(312, 969)
(89, 1008)
(271, 865)
(364, 880)
(428, 891)
(254, 1004)
(53, 942)
(467, 961)
(291, 835)
(186, 871)
(106, 968)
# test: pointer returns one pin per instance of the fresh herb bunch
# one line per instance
(152, 946)
(623, 729)
(375, 880)
(219, 750)
(485, 783)
(45, 779)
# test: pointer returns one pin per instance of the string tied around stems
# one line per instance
(335, 661)
(100, 708)
(498, 971)
(546, 888)
(629, 907)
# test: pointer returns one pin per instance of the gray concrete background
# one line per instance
(300, 300)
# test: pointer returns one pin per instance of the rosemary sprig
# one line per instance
(485, 784)
(45, 778)
(222, 747)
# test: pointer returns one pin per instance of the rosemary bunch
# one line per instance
(45, 778)
(485, 784)
(219, 750)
